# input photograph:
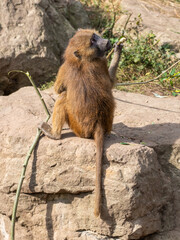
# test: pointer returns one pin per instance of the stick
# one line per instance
(27, 156)
(121, 38)
(151, 80)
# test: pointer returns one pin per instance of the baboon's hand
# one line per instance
(118, 47)
(59, 89)
(44, 127)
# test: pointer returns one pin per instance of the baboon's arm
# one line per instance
(114, 62)
(60, 85)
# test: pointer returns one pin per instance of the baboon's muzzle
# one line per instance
(103, 44)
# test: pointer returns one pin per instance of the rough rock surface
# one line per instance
(161, 17)
(33, 36)
(141, 196)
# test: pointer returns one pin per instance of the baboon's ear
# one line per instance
(76, 53)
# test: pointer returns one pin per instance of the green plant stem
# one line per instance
(151, 80)
(36, 89)
(27, 156)
(121, 38)
(114, 17)
(20, 184)
(126, 23)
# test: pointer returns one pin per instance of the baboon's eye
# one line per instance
(93, 38)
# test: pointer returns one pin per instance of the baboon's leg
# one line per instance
(59, 115)
(58, 119)
(114, 62)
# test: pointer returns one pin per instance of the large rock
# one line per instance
(161, 17)
(140, 180)
(33, 36)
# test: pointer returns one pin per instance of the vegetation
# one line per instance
(47, 85)
(143, 57)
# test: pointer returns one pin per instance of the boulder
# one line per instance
(161, 17)
(33, 36)
(140, 183)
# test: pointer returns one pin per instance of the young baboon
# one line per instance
(85, 100)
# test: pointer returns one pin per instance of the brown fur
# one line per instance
(86, 102)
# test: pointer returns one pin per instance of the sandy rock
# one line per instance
(161, 17)
(33, 36)
(140, 180)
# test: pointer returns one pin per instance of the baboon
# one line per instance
(85, 101)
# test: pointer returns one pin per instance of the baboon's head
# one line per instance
(86, 44)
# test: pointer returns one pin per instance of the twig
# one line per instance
(114, 17)
(127, 21)
(121, 38)
(27, 156)
(151, 80)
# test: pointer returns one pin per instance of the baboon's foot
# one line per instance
(47, 130)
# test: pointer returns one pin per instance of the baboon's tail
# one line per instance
(99, 140)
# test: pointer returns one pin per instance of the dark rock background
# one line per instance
(33, 36)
